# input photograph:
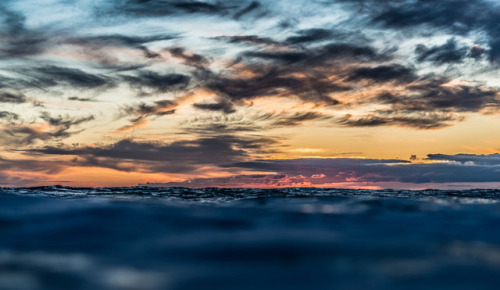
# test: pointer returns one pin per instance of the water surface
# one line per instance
(175, 238)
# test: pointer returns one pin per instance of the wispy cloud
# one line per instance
(217, 78)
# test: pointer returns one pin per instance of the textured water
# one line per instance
(154, 238)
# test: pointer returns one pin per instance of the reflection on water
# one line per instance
(153, 238)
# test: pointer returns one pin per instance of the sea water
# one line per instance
(297, 238)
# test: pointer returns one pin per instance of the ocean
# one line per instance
(297, 238)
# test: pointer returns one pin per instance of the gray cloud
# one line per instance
(322, 172)
(6, 97)
(310, 35)
(9, 116)
(420, 121)
(222, 106)
(470, 159)
(175, 157)
(456, 16)
(57, 128)
(449, 52)
(383, 74)
(149, 81)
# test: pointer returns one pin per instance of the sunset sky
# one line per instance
(326, 93)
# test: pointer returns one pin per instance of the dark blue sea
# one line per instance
(187, 239)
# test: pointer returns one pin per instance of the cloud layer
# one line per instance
(185, 87)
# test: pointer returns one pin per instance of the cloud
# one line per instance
(51, 75)
(437, 95)
(222, 106)
(176, 157)
(468, 159)
(17, 39)
(456, 16)
(149, 82)
(140, 112)
(251, 7)
(347, 63)
(119, 40)
(425, 103)
(295, 119)
(284, 57)
(101, 43)
(383, 74)
(80, 99)
(310, 35)
(191, 59)
(9, 116)
(237, 123)
(360, 172)
(6, 97)
(53, 128)
(64, 121)
(249, 39)
(442, 54)
(236, 9)
(420, 121)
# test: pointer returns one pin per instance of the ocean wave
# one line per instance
(295, 238)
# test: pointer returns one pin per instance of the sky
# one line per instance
(368, 94)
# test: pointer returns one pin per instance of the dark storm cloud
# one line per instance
(383, 74)
(154, 82)
(176, 157)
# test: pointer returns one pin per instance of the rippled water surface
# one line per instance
(173, 238)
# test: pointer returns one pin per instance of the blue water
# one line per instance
(154, 238)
